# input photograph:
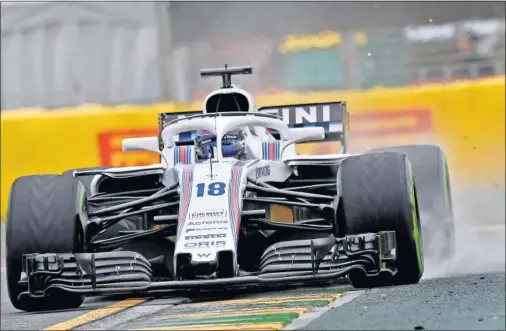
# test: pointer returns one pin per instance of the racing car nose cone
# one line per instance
(209, 216)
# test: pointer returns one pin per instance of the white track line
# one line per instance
(315, 313)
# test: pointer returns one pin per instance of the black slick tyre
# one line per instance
(42, 217)
(432, 179)
(377, 193)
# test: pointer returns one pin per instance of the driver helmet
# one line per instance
(232, 144)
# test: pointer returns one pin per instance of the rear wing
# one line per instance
(332, 116)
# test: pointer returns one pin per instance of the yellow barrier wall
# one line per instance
(466, 119)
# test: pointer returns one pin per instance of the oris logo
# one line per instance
(206, 244)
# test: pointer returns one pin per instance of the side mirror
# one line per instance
(305, 134)
(149, 144)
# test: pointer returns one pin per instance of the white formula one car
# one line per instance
(231, 204)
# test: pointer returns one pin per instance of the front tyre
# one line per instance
(432, 178)
(377, 193)
(42, 217)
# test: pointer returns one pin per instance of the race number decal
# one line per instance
(213, 189)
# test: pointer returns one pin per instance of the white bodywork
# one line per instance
(209, 223)
(211, 197)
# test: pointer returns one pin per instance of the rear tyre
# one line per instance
(377, 193)
(433, 187)
(42, 217)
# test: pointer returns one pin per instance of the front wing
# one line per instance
(290, 262)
